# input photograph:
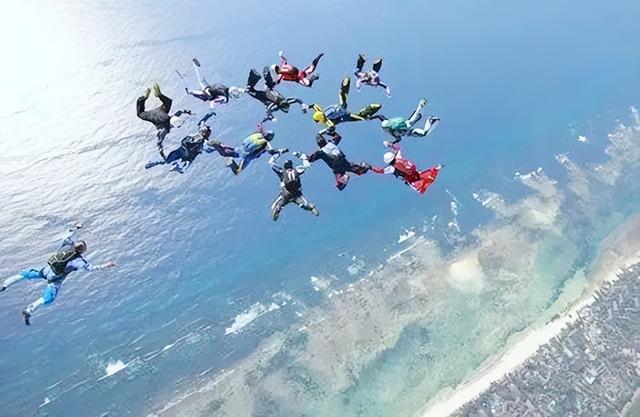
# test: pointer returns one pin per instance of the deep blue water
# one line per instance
(511, 81)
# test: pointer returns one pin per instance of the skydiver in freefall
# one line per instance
(335, 114)
(160, 117)
(66, 260)
(398, 127)
(288, 72)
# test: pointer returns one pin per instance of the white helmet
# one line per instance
(389, 157)
(176, 121)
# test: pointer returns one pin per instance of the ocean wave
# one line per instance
(408, 234)
(245, 318)
(113, 368)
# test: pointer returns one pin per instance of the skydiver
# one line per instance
(160, 117)
(270, 97)
(336, 160)
(399, 127)
(371, 77)
(213, 93)
(191, 146)
(253, 146)
(288, 72)
(405, 169)
(66, 260)
(290, 185)
(338, 113)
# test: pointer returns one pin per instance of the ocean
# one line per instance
(305, 316)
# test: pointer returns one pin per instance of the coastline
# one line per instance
(618, 251)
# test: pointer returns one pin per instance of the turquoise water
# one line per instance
(514, 84)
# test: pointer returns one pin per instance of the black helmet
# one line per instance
(288, 164)
(320, 140)
(205, 130)
(80, 246)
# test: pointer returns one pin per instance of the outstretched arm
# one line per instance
(79, 263)
(395, 147)
(276, 168)
(283, 59)
(305, 162)
(386, 170)
(181, 112)
(272, 151)
(206, 117)
(387, 89)
(69, 236)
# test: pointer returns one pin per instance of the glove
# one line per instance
(281, 54)
(283, 150)
(305, 107)
(296, 154)
(386, 143)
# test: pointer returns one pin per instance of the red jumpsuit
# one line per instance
(407, 170)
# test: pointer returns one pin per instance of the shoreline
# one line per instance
(609, 263)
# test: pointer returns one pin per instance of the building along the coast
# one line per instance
(591, 369)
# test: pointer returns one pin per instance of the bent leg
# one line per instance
(140, 103)
(429, 125)
(344, 92)
(48, 297)
(303, 203)
(417, 115)
(224, 150)
(277, 206)
(311, 68)
(166, 103)
(360, 62)
(369, 111)
(377, 65)
(201, 80)
(342, 180)
(22, 275)
(162, 133)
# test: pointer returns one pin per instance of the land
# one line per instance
(592, 368)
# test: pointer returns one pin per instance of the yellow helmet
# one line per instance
(318, 117)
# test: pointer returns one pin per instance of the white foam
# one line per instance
(246, 317)
(320, 283)
(583, 139)
(402, 252)
(406, 236)
(114, 367)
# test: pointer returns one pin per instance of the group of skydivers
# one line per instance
(69, 258)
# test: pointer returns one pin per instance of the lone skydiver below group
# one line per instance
(288, 72)
(190, 147)
(335, 159)
(405, 169)
(66, 260)
(290, 185)
(160, 117)
(213, 93)
(253, 146)
(337, 113)
(399, 126)
(371, 77)
(270, 97)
